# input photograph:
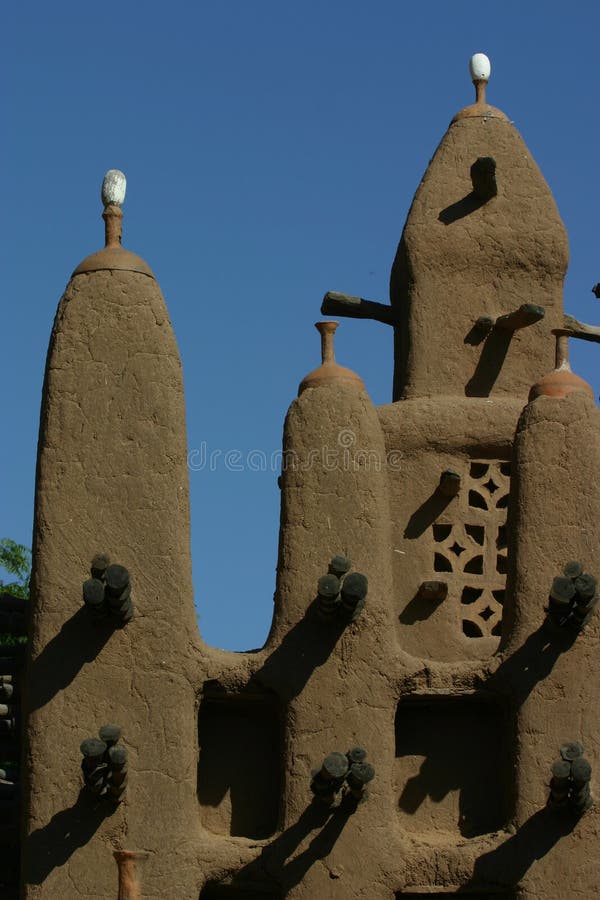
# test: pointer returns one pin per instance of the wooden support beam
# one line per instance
(576, 329)
(336, 304)
(525, 315)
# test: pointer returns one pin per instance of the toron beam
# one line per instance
(449, 484)
(433, 590)
(580, 330)
(525, 315)
(336, 304)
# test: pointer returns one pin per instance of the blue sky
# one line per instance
(272, 150)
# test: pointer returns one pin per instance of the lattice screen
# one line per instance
(471, 553)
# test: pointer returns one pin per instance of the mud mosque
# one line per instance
(423, 718)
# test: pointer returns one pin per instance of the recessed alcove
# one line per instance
(239, 764)
(452, 764)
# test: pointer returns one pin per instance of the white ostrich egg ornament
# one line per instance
(113, 188)
(480, 67)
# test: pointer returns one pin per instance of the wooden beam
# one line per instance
(580, 330)
(336, 304)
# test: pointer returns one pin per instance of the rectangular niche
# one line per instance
(451, 768)
(239, 766)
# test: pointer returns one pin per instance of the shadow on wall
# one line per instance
(277, 870)
(419, 609)
(426, 514)
(303, 649)
(78, 642)
(53, 845)
(519, 673)
(239, 791)
(489, 365)
(468, 204)
(460, 742)
(507, 864)
(516, 855)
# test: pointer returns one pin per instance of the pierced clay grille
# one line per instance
(472, 554)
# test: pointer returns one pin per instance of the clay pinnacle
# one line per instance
(113, 197)
(327, 331)
(480, 68)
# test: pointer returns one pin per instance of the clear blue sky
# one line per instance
(272, 150)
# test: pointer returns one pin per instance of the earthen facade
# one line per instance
(461, 501)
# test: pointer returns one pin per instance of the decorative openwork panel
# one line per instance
(470, 554)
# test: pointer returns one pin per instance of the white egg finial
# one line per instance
(480, 67)
(113, 188)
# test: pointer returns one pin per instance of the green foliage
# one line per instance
(15, 559)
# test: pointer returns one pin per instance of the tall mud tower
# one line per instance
(422, 721)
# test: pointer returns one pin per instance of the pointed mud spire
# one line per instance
(113, 403)
(483, 243)
(329, 372)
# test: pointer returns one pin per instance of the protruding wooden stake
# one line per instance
(130, 863)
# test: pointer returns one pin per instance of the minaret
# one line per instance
(548, 665)
(111, 479)
(334, 504)
(482, 239)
